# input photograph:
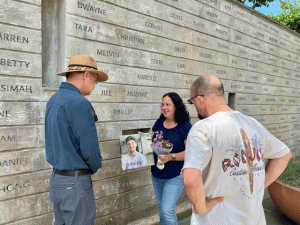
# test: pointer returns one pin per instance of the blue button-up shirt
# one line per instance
(70, 131)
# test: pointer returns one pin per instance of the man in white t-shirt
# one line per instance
(132, 159)
(224, 171)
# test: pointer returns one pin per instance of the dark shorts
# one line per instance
(73, 199)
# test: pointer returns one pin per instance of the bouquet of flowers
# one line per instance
(161, 146)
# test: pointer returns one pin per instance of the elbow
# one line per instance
(199, 212)
(290, 156)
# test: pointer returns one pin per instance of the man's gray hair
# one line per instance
(204, 86)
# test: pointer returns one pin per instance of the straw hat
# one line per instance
(83, 63)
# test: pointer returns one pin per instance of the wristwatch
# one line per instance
(173, 157)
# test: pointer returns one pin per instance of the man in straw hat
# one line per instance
(71, 143)
(224, 170)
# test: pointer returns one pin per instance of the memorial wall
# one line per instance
(147, 48)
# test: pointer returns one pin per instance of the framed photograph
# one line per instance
(136, 151)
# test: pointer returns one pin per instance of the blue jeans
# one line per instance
(167, 192)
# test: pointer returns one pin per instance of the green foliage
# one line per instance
(258, 3)
(289, 14)
(291, 175)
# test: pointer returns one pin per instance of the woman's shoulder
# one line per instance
(158, 124)
(186, 125)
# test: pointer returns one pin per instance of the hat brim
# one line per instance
(101, 75)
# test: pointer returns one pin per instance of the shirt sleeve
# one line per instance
(198, 150)
(144, 160)
(274, 147)
(84, 129)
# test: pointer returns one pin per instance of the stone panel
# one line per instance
(22, 64)
(12, 138)
(15, 162)
(21, 14)
(25, 207)
(19, 38)
(22, 113)
(25, 184)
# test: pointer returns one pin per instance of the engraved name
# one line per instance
(14, 38)
(242, 51)
(5, 113)
(223, 46)
(137, 94)
(8, 138)
(14, 162)
(122, 111)
(238, 38)
(91, 8)
(14, 63)
(179, 49)
(223, 32)
(176, 17)
(83, 28)
(198, 24)
(263, 24)
(251, 66)
(270, 99)
(272, 60)
(221, 71)
(255, 43)
(181, 66)
(227, 7)
(256, 55)
(273, 39)
(131, 38)
(235, 62)
(146, 77)
(15, 88)
(108, 53)
(157, 61)
(106, 93)
(211, 14)
(205, 55)
(202, 40)
(241, 14)
(15, 186)
(154, 26)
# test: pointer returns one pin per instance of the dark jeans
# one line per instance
(73, 199)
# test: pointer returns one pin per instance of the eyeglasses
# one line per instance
(191, 99)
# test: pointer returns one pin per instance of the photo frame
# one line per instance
(136, 151)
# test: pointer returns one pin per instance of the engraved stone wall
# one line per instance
(148, 48)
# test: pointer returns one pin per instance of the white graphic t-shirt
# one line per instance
(229, 149)
(129, 162)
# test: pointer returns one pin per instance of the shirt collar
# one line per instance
(66, 85)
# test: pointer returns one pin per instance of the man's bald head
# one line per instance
(207, 85)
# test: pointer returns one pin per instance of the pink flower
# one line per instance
(155, 139)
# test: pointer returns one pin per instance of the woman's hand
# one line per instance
(164, 158)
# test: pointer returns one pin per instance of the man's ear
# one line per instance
(85, 75)
(200, 99)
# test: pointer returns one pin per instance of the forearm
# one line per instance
(275, 167)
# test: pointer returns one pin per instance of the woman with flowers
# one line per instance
(170, 132)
